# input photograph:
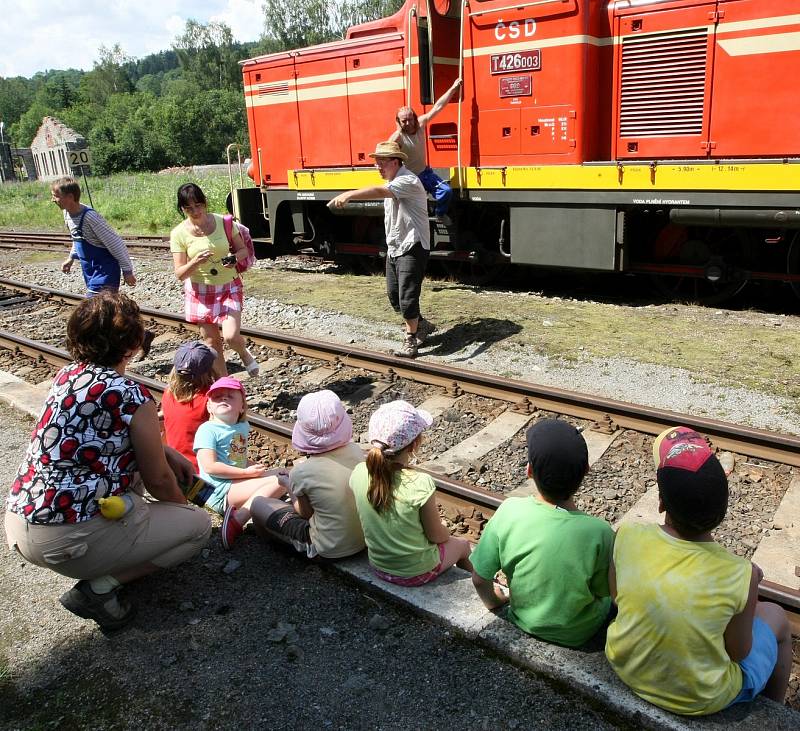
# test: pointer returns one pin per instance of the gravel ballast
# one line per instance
(621, 378)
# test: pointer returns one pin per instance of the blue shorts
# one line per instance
(217, 501)
(759, 664)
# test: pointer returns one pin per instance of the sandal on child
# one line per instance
(252, 367)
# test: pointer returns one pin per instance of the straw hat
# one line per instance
(388, 150)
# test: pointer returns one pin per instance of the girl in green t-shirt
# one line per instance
(407, 543)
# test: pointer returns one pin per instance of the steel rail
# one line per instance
(454, 492)
(57, 241)
(526, 397)
(277, 430)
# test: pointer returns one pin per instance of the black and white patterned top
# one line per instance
(80, 448)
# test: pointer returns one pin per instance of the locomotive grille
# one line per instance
(663, 84)
(276, 89)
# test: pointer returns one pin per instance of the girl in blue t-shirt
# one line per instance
(221, 448)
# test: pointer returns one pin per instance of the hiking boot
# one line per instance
(109, 610)
(424, 328)
(409, 347)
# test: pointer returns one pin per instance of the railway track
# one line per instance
(49, 241)
(465, 505)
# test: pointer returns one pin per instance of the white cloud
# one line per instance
(245, 18)
(70, 38)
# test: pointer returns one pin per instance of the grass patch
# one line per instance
(133, 203)
(712, 347)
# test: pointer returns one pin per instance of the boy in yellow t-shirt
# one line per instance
(690, 635)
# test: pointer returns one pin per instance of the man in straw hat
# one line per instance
(407, 238)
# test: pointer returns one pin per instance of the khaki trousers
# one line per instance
(161, 533)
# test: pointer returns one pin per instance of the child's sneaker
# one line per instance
(231, 528)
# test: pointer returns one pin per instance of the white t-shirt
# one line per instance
(324, 479)
(406, 215)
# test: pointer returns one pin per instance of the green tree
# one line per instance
(356, 12)
(307, 22)
(208, 55)
(197, 129)
(108, 76)
(24, 130)
(16, 95)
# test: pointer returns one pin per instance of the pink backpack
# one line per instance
(244, 264)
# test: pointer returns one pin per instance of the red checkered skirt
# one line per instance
(211, 302)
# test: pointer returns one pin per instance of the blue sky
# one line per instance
(37, 35)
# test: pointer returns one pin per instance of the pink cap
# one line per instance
(227, 382)
(322, 423)
(681, 447)
(396, 424)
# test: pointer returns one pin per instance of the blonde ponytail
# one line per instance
(381, 475)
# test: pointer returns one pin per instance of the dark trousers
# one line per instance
(404, 276)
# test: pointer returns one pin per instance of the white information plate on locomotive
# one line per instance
(509, 63)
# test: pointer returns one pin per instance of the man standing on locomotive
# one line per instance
(407, 238)
(410, 135)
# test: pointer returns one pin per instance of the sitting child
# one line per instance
(184, 403)
(690, 635)
(554, 556)
(322, 519)
(407, 543)
(221, 447)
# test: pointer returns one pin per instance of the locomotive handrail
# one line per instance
(412, 12)
(230, 175)
(464, 4)
(515, 7)
(443, 137)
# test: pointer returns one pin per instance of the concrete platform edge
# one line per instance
(451, 602)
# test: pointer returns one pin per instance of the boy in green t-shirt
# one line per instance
(554, 556)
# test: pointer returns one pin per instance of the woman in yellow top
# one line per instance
(213, 292)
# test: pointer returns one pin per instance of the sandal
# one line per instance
(252, 367)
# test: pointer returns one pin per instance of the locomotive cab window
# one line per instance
(425, 67)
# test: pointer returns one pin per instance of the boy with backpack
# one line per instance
(99, 248)
(690, 635)
(554, 556)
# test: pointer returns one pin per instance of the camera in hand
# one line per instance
(228, 260)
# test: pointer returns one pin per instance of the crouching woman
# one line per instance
(98, 437)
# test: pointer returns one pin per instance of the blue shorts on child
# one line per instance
(759, 663)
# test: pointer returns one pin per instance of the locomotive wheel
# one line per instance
(732, 246)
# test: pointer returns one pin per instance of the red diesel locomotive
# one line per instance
(641, 136)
